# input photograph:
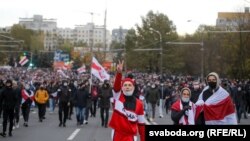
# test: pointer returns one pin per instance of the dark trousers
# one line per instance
(104, 116)
(71, 109)
(41, 110)
(17, 114)
(8, 115)
(63, 112)
(93, 108)
(87, 113)
(1, 110)
(26, 112)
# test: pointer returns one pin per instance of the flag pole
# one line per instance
(90, 80)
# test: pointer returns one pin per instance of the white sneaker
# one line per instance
(85, 122)
(17, 125)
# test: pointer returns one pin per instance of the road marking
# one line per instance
(147, 123)
(72, 136)
(154, 123)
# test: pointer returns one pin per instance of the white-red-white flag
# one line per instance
(82, 69)
(98, 71)
(62, 73)
(23, 61)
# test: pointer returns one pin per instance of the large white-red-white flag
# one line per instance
(98, 71)
(23, 61)
(82, 69)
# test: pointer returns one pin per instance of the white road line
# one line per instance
(72, 136)
(147, 123)
(154, 123)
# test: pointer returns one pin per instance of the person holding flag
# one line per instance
(215, 106)
(183, 110)
(27, 100)
(128, 114)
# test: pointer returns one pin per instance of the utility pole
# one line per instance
(105, 34)
(159, 33)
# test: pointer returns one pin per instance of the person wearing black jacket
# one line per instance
(73, 87)
(1, 89)
(64, 103)
(8, 99)
(105, 95)
(80, 101)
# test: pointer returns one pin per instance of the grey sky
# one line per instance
(125, 13)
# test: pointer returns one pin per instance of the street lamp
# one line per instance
(202, 53)
(159, 33)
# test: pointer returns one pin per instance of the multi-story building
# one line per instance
(48, 26)
(119, 35)
(91, 35)
(232, 20)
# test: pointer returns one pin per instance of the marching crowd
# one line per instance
(188, 100)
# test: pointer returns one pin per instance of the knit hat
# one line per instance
(128, 80)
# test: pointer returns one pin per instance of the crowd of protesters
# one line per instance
(71, 92)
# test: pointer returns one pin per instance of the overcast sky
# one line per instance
(125, 13)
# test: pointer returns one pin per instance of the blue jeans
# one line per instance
(52, 104)
(80, 113)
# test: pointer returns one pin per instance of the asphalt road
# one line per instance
(48, 130)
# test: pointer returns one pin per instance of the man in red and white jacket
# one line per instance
(128, 114)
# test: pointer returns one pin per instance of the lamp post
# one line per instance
(159, 33)
(161, 97)
(202, 52)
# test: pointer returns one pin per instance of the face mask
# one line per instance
(196, 87)
(75, 84)
(185, 99)
(27, 87)
(239, 89)
(128, 93)
(65, 84)
(8, 85)
(212, 85)
(153, 86)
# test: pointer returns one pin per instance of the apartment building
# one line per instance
(48, 26)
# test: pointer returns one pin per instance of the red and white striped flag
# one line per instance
(23, 61)
(218, 109)
(98, 71)
(81, 69)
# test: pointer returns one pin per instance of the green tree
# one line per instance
(21, 33)
(144, 38)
